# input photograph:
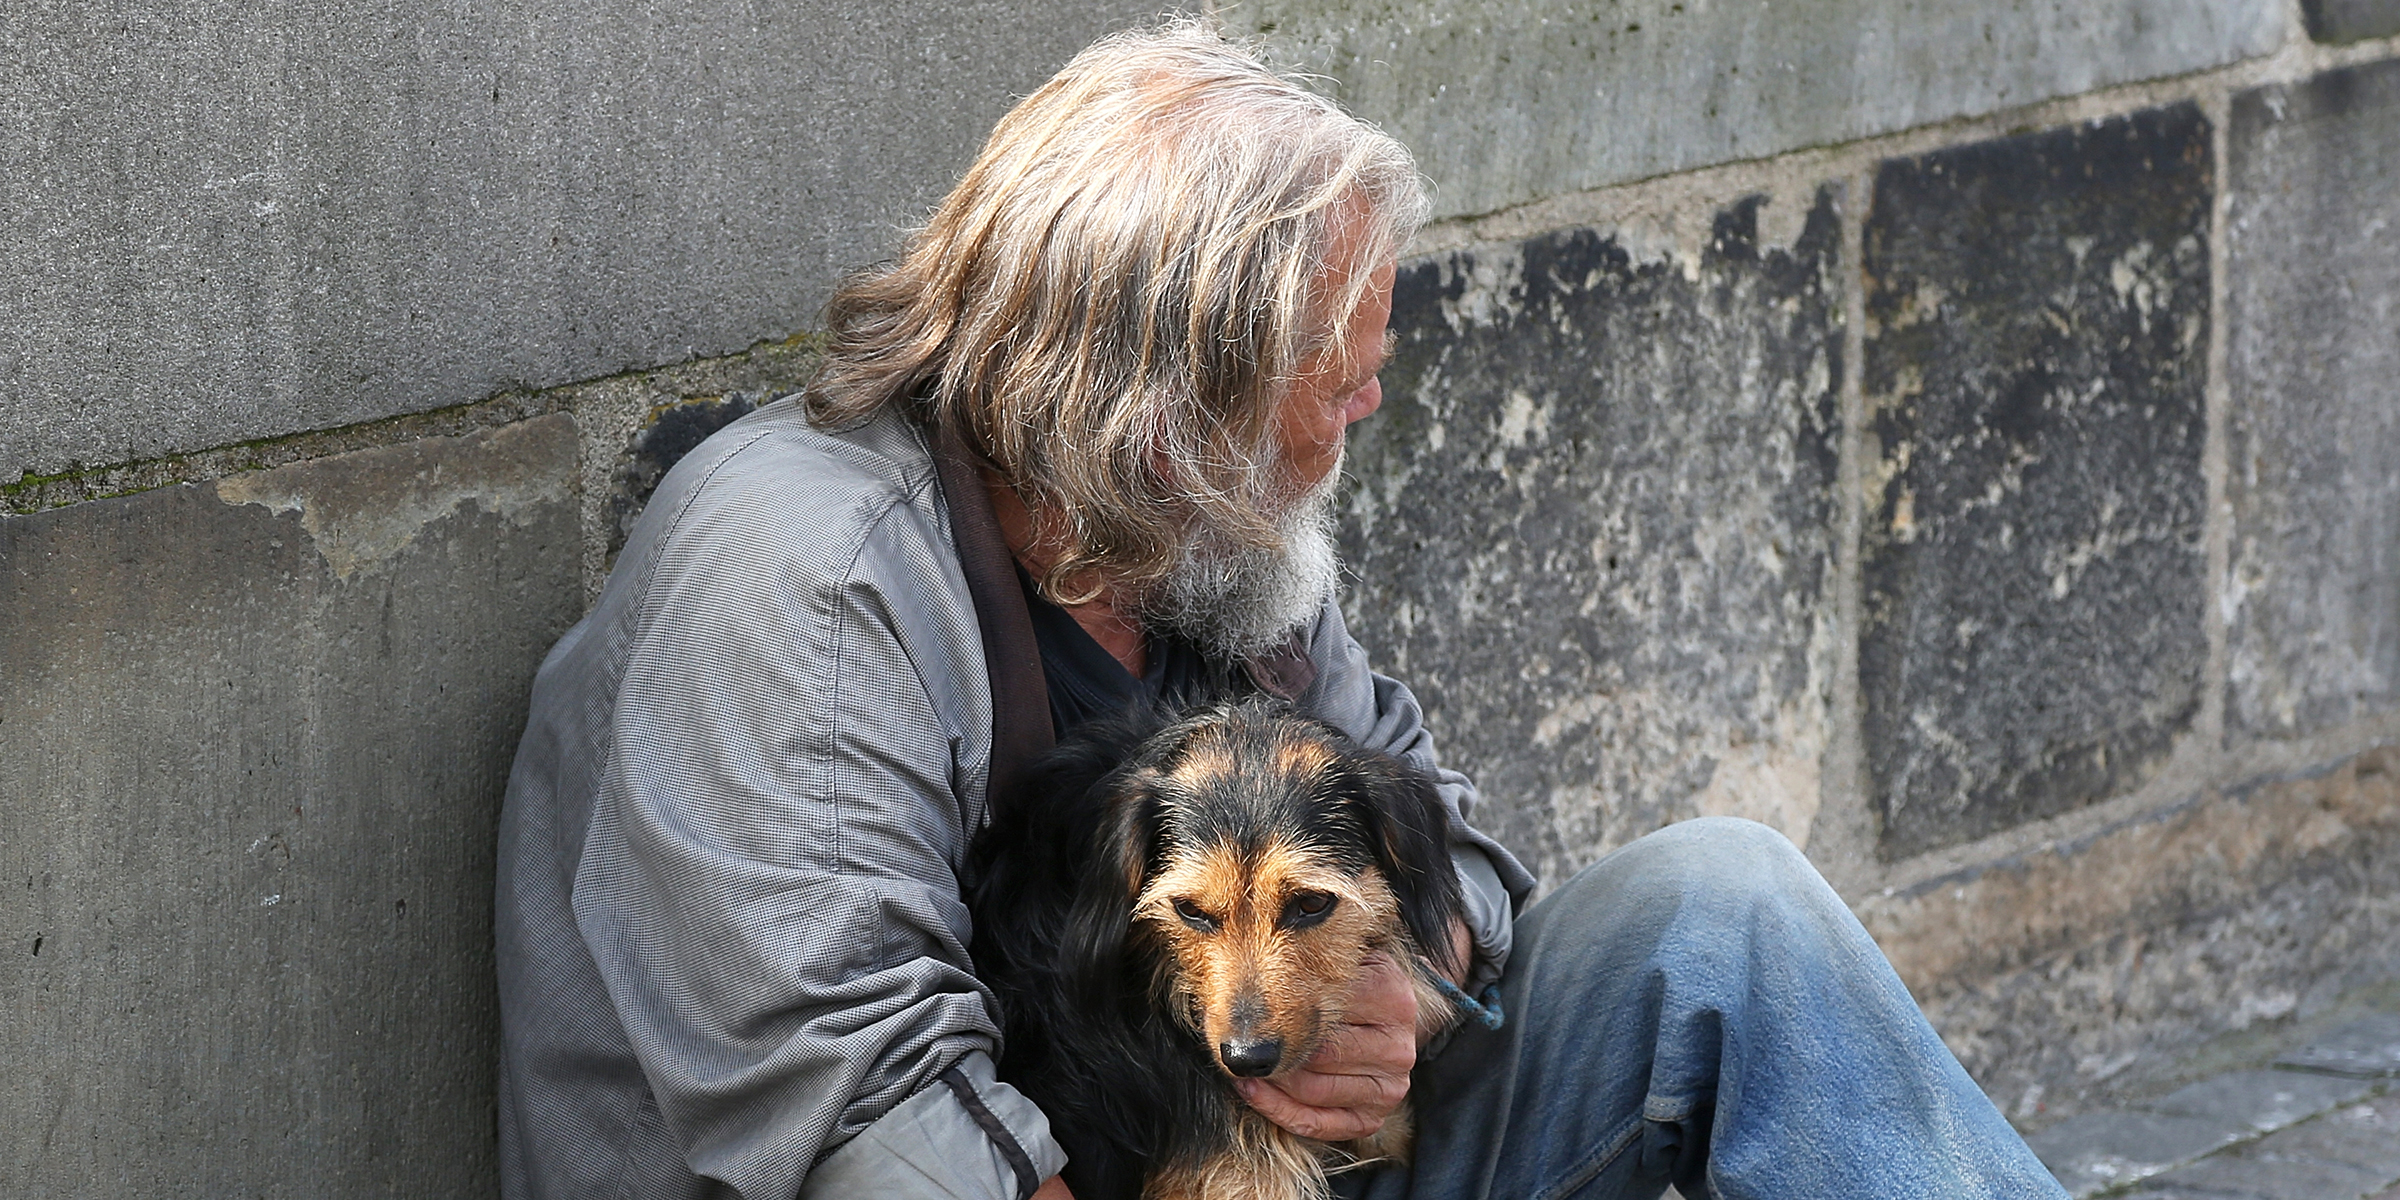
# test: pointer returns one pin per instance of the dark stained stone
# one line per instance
(2340, 21)
(1591, 526)
(2313, 366)
(252, 740)
(672, 431)
(2032, 561)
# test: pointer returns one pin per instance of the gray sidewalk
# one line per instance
(2313, 1115)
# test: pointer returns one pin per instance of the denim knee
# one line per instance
(1722, 858)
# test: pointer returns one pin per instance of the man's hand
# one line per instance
(1360, 1074)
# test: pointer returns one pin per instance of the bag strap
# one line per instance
(1021, 732)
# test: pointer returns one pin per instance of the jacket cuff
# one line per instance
(965, 1136)
(1491, 918)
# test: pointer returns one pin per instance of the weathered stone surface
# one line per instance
(2313, 364)
(2368, 1047)
(2340, 21)
(252, 741)
(1507, 101)
(2108, 1149)
(2056, 975)
(1592, 524)
(315, 214)
(2037, 315)
(2261, 1100)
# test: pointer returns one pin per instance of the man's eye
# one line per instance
(1193, 917)
(1307, 908)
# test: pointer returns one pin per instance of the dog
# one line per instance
(1174, 902)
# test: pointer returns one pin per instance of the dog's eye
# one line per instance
(1193, 917)
(1307, 908)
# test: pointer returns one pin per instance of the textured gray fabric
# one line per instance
(729, 930)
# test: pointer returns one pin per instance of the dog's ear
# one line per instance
(1124, 812)
(1409, 829)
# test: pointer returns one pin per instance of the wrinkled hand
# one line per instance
(1360, 1075)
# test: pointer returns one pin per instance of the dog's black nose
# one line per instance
(1251, 1059)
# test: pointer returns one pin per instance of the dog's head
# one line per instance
(1262, 857)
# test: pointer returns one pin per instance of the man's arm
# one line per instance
(768, 883)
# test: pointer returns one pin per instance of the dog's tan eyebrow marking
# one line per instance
(1303, 758)
(1204, 765)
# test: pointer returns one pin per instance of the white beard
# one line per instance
(1242, 601)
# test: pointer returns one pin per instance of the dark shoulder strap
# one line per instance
(1283, 672)
(1021, 730)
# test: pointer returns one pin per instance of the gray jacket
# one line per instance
(732, 954)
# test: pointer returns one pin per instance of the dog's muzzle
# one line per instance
(1250, 1060)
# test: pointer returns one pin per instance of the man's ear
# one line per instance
(1409, 831)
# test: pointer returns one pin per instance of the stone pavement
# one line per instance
(2317, 1118)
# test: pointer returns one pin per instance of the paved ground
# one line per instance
(2314, 1117)
(2309, 1112)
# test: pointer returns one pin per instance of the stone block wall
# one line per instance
(1961, 436)
(2003, 508)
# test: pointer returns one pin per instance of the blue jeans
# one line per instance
(1700, 1008)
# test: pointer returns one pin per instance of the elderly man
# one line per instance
(1075, 448)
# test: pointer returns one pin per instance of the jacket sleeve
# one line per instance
(769, 881)
(1381, 713)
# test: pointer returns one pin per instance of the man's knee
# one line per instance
(1723, 864)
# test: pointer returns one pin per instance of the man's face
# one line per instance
(1239, 599)
(1338, 389)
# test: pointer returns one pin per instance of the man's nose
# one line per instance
(1363, 402)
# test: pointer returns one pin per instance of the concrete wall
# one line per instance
(1961, 436)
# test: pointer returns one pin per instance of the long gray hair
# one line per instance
(1112, 301)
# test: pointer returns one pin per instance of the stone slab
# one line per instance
(2242, 1177)
(2313, 366)
(1507, 101)
(2339, 21)
(313, 214)
(2368, 1048)
(2364, 1136)
(2098, 1151)
(1592, 524)
(253, 736)
(2037, 314)
(2261, 1100)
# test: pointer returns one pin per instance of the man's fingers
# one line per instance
(1351, 1051)
(1308, 1120)
(1376, 1093)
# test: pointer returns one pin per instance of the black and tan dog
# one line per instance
(1171, 904)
